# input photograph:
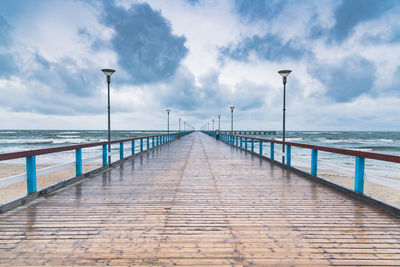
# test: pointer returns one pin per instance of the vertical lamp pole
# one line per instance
(219, 122)
(179, 133)
(232, 108)
(284, 74)
(168, 111)
(213, 125)
(108, 73)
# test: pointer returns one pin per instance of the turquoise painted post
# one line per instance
(31, 173)
(241, 142)
(148, 143)
(104, 155)
(152, 142)
(157, 140)
(141, 145)
(252, 145)
(314, 160)
(133, 147)
(78, 161)
(261, 147)
(272, 150)
(237, 141)
(359, 177)
(245, 143)
(121, 150)
(288, 155)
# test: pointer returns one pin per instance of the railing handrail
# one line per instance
(349, 152)
(42, 151)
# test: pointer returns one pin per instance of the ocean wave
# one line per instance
(22, 141)
(69, 141)
(7, 132)
(380, 148)
(68, 136)
(70, 132)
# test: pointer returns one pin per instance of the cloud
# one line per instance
(7, 66)
(269, 47)
(193, 2)
(348, 79)
(144, 42)
(4, 31)
(180, 92)
(349, 14)
(7, 63)
(258, 9)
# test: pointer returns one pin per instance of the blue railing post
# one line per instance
(104, 155)
(252, 145)
(152, 142)
(314, 160)
(78, 161)
(359, 176)
(157, 140)
(260, 147)
(141, 145)
(272, 150)
(241, 143)
(237, 141)
(31, 174)
(288, 155)
(121, 150)
(245, 143)
(148, 143)
(133, 147)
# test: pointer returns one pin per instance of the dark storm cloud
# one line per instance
(268, 47)
(351, 13)
(144, 42)
(346, 80)
(258, 9)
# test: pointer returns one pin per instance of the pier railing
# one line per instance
(145, 143)
(248, 143)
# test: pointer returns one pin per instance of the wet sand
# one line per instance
(13, 191)
(380, 192)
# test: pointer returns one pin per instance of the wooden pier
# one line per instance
(248, 132)
(197, 201)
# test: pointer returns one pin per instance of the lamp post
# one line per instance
(179, 133)
(108, 73)
(184, 126)
(232, 108)
(168, 111)
(213, 125)
(284, 74)
(219, 122)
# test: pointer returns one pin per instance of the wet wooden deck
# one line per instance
(196, 202)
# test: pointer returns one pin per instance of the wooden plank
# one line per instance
(196, 202)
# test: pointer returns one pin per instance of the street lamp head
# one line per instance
(168, 111)
(108, 72)
(232, 108)
(284, 73)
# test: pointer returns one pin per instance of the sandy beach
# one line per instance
(380, 192)
(17, 190)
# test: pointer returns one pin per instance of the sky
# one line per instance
(198, 58)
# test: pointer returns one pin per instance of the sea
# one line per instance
(371, 141)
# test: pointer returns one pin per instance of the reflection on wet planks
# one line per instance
(198, 202)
